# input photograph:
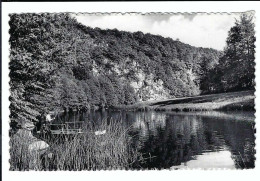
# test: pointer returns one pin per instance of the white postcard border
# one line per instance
(18, 7)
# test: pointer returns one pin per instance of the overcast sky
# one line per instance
(200, 30)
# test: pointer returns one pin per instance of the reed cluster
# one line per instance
(20, 156)
(85, 151)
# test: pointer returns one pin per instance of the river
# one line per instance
(176, 140)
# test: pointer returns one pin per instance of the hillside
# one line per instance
(58, 63)
(154, 66)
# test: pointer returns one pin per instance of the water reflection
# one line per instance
(219, 159)
(186, 140)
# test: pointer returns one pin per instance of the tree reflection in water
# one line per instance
(187, 140)
(208, 140)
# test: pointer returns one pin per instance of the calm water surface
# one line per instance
(186, 140)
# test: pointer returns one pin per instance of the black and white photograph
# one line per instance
(101, 90)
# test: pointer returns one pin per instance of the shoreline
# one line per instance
(243, 100)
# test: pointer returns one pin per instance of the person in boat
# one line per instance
(49, 118)
(43, 123)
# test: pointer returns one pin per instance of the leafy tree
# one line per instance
(108, 91)
(235, 70)
(129, 92)
(36, 53)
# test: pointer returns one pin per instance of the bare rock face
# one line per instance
(147, 88)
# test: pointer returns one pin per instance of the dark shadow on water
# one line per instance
(172, 140)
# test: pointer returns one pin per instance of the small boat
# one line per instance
(100, 132)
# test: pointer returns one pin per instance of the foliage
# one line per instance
(37, 50)
(58, 63)
(86, 151)
(235, 70)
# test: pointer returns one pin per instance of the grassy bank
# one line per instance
(243, 100)
(113, 150)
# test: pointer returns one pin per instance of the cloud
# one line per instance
(201, 30)
(189, 16)
(157, 17)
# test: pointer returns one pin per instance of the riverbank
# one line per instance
(243, 100)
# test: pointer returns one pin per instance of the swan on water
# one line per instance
(100, 132)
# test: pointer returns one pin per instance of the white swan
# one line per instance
(100, 132)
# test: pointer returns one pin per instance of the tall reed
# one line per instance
(85, 151)
(20, 157)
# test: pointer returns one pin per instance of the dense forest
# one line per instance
(58, 63)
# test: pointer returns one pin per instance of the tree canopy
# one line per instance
(236, 67)
(58, 63)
